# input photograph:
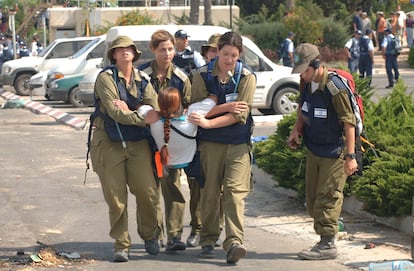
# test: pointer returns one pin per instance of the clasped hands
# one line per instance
(235, 107)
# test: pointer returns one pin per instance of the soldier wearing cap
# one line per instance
(209, 50)
(288, 50)
(366, 58)
(185, 57)
(326, 124)
(390, 54)
(352, 46)
(120, 152)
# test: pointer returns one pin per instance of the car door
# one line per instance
(60, 51)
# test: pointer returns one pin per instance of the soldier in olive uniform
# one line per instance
(224, 144)
(327, 124)
(165, 74)
(120, 152)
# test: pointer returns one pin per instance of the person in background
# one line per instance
(36, 46)
(289, 49)
(402, 18)
(163, 74)
(366, 22)
(326, 125)
(380, 27)
(366, 58)
(356, 20)
(209, 50)
(185, 57)
(225, 160)
(394, 23)
(409, 30)
(352, 46)
(390, 55)
(121, 156)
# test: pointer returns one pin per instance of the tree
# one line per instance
(194, 11)
(207, 12)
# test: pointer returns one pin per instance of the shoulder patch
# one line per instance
(245, 71)
(109, 71)
(144, 75)
(180, 74)
(335, 84)
(203, 69)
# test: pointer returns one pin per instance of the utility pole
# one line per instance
(12, 12)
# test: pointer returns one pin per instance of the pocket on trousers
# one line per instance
(96, 156)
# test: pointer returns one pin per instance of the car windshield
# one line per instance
(47, 49)
(86, 48)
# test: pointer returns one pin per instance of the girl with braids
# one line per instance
(175, 138)
(172, 132)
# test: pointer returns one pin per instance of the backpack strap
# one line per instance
(182, 133)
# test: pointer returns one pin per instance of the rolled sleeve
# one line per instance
(246, 90)
(343, 108)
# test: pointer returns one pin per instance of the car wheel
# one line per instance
(20, 83)
(284, 101)
(73, 97)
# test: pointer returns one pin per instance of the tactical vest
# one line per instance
(185, 61)
(236, 133)
(117, 131)
(322, 134)
(177, 79)
(363, 46)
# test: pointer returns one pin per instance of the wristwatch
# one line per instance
(350, 155)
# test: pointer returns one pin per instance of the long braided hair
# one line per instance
(169, 101)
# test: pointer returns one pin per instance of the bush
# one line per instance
(387, 186)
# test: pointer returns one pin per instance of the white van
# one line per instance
(275, 84)
(16, 73)
(62, 80)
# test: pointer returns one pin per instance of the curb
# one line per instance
(40, 108)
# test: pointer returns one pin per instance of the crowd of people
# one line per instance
(22, 49)
(387, 36)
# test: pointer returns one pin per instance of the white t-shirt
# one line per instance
(181, 149)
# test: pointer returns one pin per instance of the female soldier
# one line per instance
(224, 144)
(120, 152)
(164, 73)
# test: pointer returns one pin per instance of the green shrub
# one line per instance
(287, 167)
(387, 186)
(335, 34)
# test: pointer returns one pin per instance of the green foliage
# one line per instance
(305, 16)
(411, 58)
(134, 17)
(335, 34)
(268, 35)
(183, 19)
(387, 186)
(274, 156)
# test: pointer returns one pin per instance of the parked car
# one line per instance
(86, 85)
(275, 89)
(16, 73)
(62, 81)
